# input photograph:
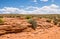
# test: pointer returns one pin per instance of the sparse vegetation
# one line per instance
(55, 21)
(59, 24)
(49, 20)
(28, 17)
(33, 22)
(1, 22)
(17, 23)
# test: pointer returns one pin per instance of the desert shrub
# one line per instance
(49, 20)
(59, 24)
(1, 16)
(33, 22)
(1, 22)
(28, 17)
(55, 21)
(17, 16)
(40, 17)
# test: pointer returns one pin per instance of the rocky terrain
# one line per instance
(19, 28)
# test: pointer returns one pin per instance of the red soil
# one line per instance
(44, 30)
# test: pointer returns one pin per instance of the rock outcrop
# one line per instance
(13, 25)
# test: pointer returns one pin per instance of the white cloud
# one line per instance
(52, 9)
(44, 0)
(34, 0)
(9, 10)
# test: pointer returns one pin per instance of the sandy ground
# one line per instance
(51, 33)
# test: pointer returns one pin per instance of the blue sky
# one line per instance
(28, 6)
(25, 3)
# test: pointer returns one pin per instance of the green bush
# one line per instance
(1, 22)
(28, 17)
(33, 22)
(55, 21)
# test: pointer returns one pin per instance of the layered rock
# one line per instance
(13, 25)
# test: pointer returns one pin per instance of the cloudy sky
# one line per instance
(29, 6)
